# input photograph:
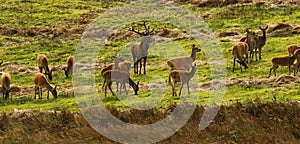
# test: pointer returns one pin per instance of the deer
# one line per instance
(182, 76)
(40, 81)
(118, 64)
(282, 61)
(42, 62)
(184, 62)
(139, 51)
(262, 40)
(119, 76)
(6, 81)
(292, 48)
(252, 41)
(238, 51)
(68, 69)
(297, 65)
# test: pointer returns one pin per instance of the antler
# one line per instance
(144, 33)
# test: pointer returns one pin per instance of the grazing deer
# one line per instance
(182, 76)
(40, 81)
(42, 62)
(118, 76)
(68, 69)
(183, 63)
(118, 64)
(139, 52)
(6, 81)
(252, 40)
(238, 51)
(261, 40)
(281, 61)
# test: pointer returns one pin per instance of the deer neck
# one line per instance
(132, 84)
(48, 86)
(193, 55)
(192, 72)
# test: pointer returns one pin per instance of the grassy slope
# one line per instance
(46, 14)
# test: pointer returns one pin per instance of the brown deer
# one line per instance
(282, 61)
(68, 69)
(40, 81)
(262, 40)
(42, 62)
(139, 51)
(252, 40)
(183, 63)
(118, 76)
(6, 81)
(238, 51)
(182, 76)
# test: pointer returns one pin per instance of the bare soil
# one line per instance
(251, 123)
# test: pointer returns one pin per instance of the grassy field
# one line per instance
(54, 28)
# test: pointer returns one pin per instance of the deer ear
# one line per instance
(267, 27)
(55, 86)
(138, 83)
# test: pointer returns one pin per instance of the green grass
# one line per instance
(23, 50)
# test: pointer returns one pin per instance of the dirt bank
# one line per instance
(251, 123)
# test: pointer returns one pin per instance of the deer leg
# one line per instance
(145, 60)
(255, 54)
(105, 88)
(125, 88)
(40, 93)
(232, 66)
(270, 71)
(48, 95)
(188, 87)
(136, 61)
(109, 86)
(41, 69)
(274, 70)
(180, 88)
(103, 84)
(259, 52)
(289, 69)
(141, 59)
(118, 86)
(173, 89)
(35, 89)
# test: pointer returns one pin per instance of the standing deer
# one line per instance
(139, 52)
(182, 76)
(183, 63)
(252, 40)
(42, 62)
(238, 51)
(6, 81)
(40, 81)
(262, 40)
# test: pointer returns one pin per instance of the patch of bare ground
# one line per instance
(254, 122)
(129, 35)
(237, 3)
(71, 30)
(273, 81)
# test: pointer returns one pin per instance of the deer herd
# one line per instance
(254, 43)
(182, 69)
